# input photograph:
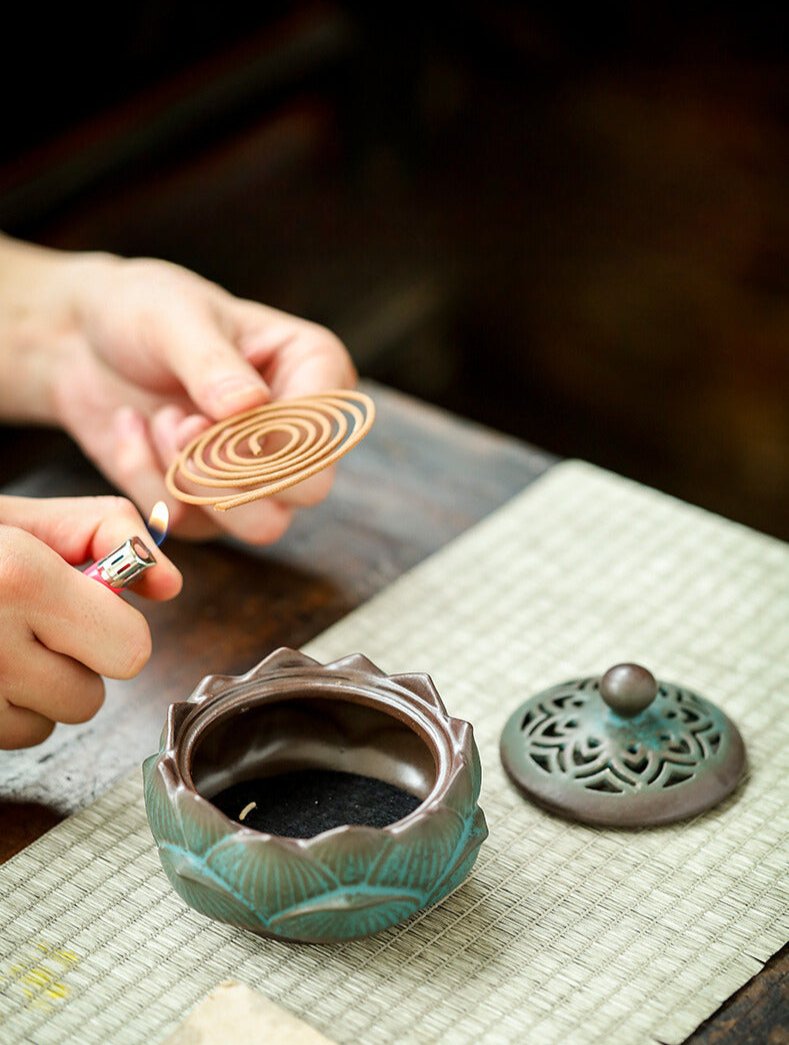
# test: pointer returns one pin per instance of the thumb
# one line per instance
(83, 528)
(219, 380)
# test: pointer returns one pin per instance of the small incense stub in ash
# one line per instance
(306, 802)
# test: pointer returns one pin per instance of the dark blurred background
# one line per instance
(573, 227)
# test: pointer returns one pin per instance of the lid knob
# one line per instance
(628, 689)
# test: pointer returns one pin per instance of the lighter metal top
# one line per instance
(122, 567)
(623, 750)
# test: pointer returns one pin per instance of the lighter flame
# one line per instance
(158, 521)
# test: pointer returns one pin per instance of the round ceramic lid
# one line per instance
(623, 750)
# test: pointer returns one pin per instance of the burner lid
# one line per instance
(623, 750)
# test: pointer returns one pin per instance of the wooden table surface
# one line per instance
(420, 478)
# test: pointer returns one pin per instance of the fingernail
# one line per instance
(231, 391)
(189, 427)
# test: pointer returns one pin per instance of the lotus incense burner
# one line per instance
(238, 754)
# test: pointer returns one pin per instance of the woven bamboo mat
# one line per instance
(563, 933)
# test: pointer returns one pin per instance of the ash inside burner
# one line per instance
(304, 803)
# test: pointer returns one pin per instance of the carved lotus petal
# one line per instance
(355, 662)
(422, 852)
(422, 686)
(350, 855)
(344, 917)
(189, 878)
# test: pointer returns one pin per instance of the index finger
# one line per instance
(86, 528)
(219, 380)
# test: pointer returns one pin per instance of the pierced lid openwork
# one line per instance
(623, 750)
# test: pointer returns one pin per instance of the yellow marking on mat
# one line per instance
(41, 984)
(246, 810)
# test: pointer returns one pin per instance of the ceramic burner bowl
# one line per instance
(292, 713)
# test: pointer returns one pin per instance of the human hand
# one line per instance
(140, 356)
(60, 630)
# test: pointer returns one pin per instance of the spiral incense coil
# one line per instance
(307, 434)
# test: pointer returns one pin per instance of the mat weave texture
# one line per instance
(563, 933)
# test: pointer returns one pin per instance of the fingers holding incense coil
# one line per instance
(265, 450)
